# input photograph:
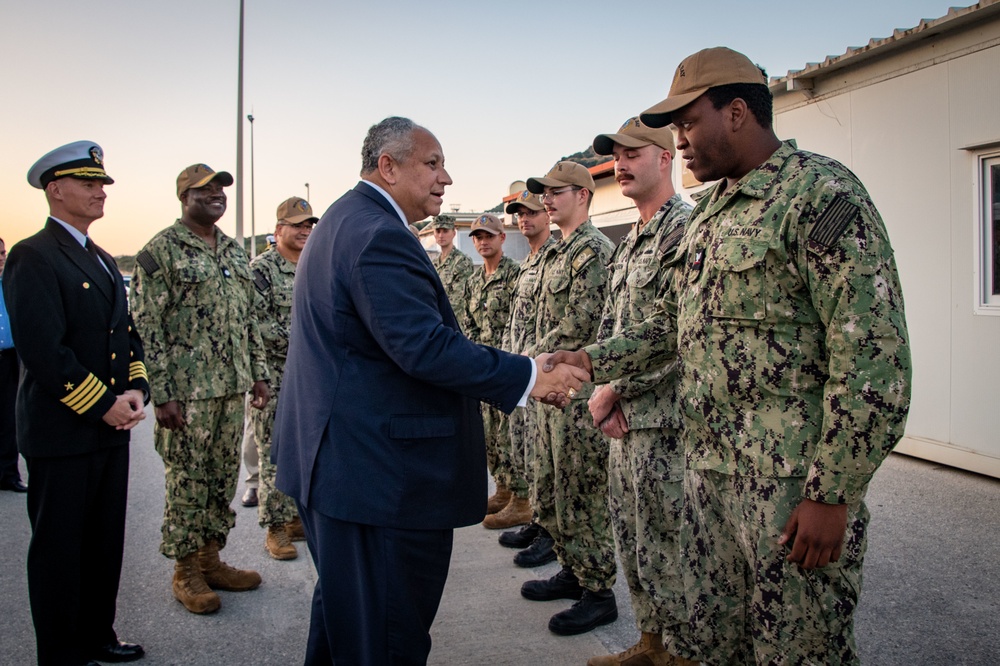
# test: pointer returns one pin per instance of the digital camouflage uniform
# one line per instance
(487, 310)
(273, 276)
(192, 306)
(646, 466)
(454, 272)
(519, 338)
(571, 457)
(796, 383)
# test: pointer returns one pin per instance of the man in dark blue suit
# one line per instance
(378, 435)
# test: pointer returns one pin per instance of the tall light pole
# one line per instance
(239, 138)
(307, 191)
(253, 208)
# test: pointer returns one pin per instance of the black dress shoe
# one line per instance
(590, 612)
(118, 652)
(249, 497)
(561, 586)
(521, 537)
(538, 553)
(17, 486)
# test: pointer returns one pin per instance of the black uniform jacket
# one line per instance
(76, 341)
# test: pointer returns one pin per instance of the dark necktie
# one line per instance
(92, 251)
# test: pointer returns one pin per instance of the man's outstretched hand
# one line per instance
(558, 383)
(578, 358)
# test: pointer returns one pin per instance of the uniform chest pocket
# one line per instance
(283, 298)
(526, 285)
(641, 276)
(735, 281)
(559, 282)
(195, 280)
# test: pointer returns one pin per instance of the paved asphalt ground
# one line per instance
(931, 592)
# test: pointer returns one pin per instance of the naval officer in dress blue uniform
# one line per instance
(83, 386)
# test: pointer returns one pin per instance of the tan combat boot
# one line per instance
(498, 500)
(279, 545)
(295, 530)
(190, 588)
(649, 651)
(517, 512)
(221, 576)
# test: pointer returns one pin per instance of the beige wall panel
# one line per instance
(903, 163)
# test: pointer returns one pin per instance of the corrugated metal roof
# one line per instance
(900, 38)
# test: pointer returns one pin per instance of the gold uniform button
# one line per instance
(112, 381)
(113, 356)
(131, 354)
(86, 285)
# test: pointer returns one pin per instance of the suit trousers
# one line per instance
(76, 506)
(8, 396)
(377, 592)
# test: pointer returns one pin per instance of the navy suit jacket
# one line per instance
(378, 417)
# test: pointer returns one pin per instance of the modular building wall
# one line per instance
(915, 124)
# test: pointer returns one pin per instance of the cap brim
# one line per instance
(659, 115)
(295, 219)
(538, 185)
(604, 144)
(490, 231)
(224, 177)
(512, 207)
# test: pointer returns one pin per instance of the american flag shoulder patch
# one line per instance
(832, 223)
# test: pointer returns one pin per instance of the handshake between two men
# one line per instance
(560, 375)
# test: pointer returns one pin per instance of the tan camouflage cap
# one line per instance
(563, 173)
(199, 175)
(633, 134)
(526, 199)
(294, 210)
(708, 68)
(443, 222)
(487, 222)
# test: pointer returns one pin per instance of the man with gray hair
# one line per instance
(378, 435)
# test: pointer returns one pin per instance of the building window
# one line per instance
(988, 236)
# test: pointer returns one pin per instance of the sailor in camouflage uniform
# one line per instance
(519, 336)
(274, 276)
(453, 266)
(488, 294)
(795, 372)
(192, 298)
(641, 414)
(571, 459)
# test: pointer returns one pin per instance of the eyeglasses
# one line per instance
(552, 194)
(307, 224)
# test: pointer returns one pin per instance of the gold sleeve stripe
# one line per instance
(85, 395)
(137, 369)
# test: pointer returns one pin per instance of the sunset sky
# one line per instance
(508, 87)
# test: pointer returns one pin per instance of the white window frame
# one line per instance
(986, 301)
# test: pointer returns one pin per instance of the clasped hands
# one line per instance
(127, 411)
